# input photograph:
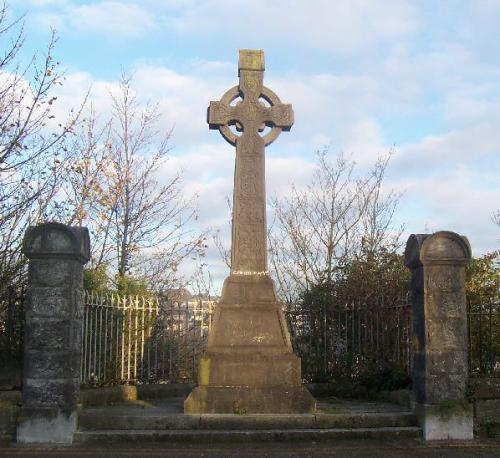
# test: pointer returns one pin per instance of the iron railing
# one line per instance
(131, 339)
(12, 326)
(484, 338)
(352, 341)
(135, 339)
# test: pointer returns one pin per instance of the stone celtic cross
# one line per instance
(257, 108)
(249, 360)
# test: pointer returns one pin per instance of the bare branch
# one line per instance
(319, 228)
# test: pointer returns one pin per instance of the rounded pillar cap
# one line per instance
(55, 239)
(443, 247)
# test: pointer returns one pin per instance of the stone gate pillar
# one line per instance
(440, 369)
(52, 344)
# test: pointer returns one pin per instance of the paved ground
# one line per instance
(348, 449)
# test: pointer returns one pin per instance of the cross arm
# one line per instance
(281, 115)
(218, 114)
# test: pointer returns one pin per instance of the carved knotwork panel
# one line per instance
(250, 176)
(247, 211)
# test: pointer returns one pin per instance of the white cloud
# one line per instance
(73, 94)
(472, 103)
(451, 182)
(340, 26)
(113, 17)
(454, 200)
(44, 3)
(283, 172)
(471, 145)
(364, 140)
(48, 20)
(108, 17)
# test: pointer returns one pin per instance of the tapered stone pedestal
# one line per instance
(249, 366)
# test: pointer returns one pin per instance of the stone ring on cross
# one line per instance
(266, 102)
(258, 108)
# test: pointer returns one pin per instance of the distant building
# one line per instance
(193, 311)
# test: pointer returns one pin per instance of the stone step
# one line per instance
(218, 436)
(95, 421)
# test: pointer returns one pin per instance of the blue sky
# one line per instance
(364, 76)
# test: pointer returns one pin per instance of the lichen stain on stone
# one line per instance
(416, 344)
(205, 371)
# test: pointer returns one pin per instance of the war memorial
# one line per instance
(249, 378)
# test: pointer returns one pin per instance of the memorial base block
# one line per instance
(445, 422)
(250, 400)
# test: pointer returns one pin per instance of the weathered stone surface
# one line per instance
(49, 302)
(256, 370)
(61, 393)
(446, 421)
(249, 364)
(447, 362)
(53, 332)
(445, 387)
(41, 335)
(53, 365)
(45, 273)
(448, 338)
(38, 427)
(440, 365)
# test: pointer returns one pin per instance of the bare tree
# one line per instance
(319, 228)
(222, 247)
(144, 227)
(32, 161)
(378, 230)
(496, 217)
(85, 170)
(32, 153)
(31, 138)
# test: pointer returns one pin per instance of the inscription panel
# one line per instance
(249, 328)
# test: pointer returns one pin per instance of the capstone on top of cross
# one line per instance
(250, 115)
(251, 59)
